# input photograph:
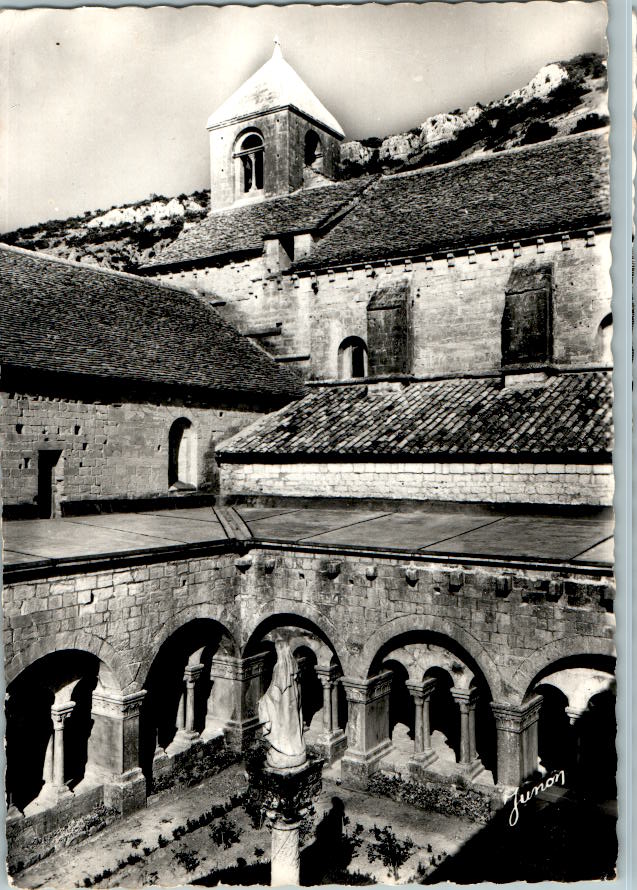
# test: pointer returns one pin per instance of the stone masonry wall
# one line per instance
(108, 450)
(487, 482)
(510, 624)
(456, 304)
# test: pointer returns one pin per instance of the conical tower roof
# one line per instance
(275, 85)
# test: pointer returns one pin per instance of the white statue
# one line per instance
(280, 712)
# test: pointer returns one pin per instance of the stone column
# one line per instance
(516, 728)
(368, 738)
(285, 859)
(232, 706)
(421, 694)
(191, 675)
(180, 720)
(113, 749)
(332, 740)
(59, 713)
(467, 700)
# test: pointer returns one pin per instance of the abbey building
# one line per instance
(372, 415)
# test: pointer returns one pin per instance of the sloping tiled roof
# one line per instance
(57, 316)
(240, 229)
(275, 85)
(571, 413)
(549, 187)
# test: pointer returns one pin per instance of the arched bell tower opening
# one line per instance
(249, 154)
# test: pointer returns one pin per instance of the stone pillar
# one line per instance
(180, 720)
(59, 713)
(191, 675)
(113, 749)
(516, 728)
(285, 859)
(469, 762)
(232, 706)
(421, 693)
(368, 738)
(332, 740)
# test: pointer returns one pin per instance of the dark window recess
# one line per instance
(388, 329)
(527, 317)
(49, 481)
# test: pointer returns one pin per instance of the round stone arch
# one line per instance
(552, 653)
(181, 619)
(304, 617)
(119, 668)
(360, 665)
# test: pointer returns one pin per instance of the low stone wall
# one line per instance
(534, 483)
(452, 799)
(32, 838)
(189, 767)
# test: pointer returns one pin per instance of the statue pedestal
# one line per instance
(286, 796)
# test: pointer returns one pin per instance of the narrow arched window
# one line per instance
(249, 159)
(313, 150)
(352, 358)
(182, 456)
(604, 339)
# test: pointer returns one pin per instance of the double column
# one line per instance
(421, 693)
(332, 739)
(368, 738)
(517, 739)
(467, 699)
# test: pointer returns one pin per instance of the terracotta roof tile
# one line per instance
(570, 413)
(548, 187)
(242, 229)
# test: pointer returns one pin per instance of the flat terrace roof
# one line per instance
(463, 534)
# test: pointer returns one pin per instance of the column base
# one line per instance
(182, 741)
(331, 745)
(422, 759)
(49, 796)
(240, 734)
(358, 766)
(126, 794)
(438, 770)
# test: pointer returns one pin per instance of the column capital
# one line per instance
(60, 712)
(421, 690)
(192, 672)
(328, 675)
(365, 691)
(112, 703)
(229, 667)
(514, 717)
(466, 698)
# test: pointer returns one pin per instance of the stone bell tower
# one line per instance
(271, 137)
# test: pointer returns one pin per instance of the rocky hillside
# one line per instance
(562, 98)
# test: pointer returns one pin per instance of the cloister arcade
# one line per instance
(424, 706)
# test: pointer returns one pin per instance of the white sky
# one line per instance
(107, 106)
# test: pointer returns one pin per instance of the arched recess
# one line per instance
(313, 151)
(182, 456)
(172, 714)
(249, 153)
(114, 662)
(454, 680)
(444, 632)
(304, 617)
(563, 652)
(604, 337)
(352, 358)
(58, 684)
(577, 725)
